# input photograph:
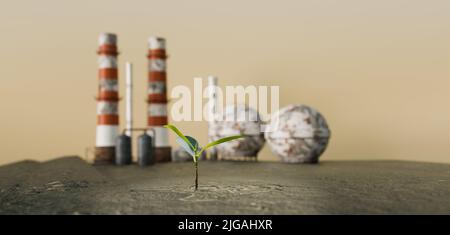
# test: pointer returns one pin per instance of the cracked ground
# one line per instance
(69, 185)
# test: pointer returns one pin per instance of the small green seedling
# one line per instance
(191, 146)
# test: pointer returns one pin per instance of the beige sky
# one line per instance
(379, 71)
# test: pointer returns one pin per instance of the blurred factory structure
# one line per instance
(129, 98)
(157, 97)
(107, 99)
(305, 144)
(212, 112)
(111, 145)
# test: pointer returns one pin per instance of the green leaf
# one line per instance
(219, 141)
(178, 132)
(193, 141)
(185, 146)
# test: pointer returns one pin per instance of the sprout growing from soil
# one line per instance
(191, 146)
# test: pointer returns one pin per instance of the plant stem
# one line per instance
(196, 175)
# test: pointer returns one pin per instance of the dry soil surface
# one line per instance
(69, 185)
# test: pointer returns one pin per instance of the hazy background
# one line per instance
(379, 71)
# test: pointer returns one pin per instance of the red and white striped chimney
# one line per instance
(107, 100)
(157, 97)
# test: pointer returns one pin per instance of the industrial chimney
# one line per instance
(157, 98)
(107, 100)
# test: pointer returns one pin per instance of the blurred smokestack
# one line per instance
(157, 97)
(129, 98)
(107, 100)
(212, 112)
